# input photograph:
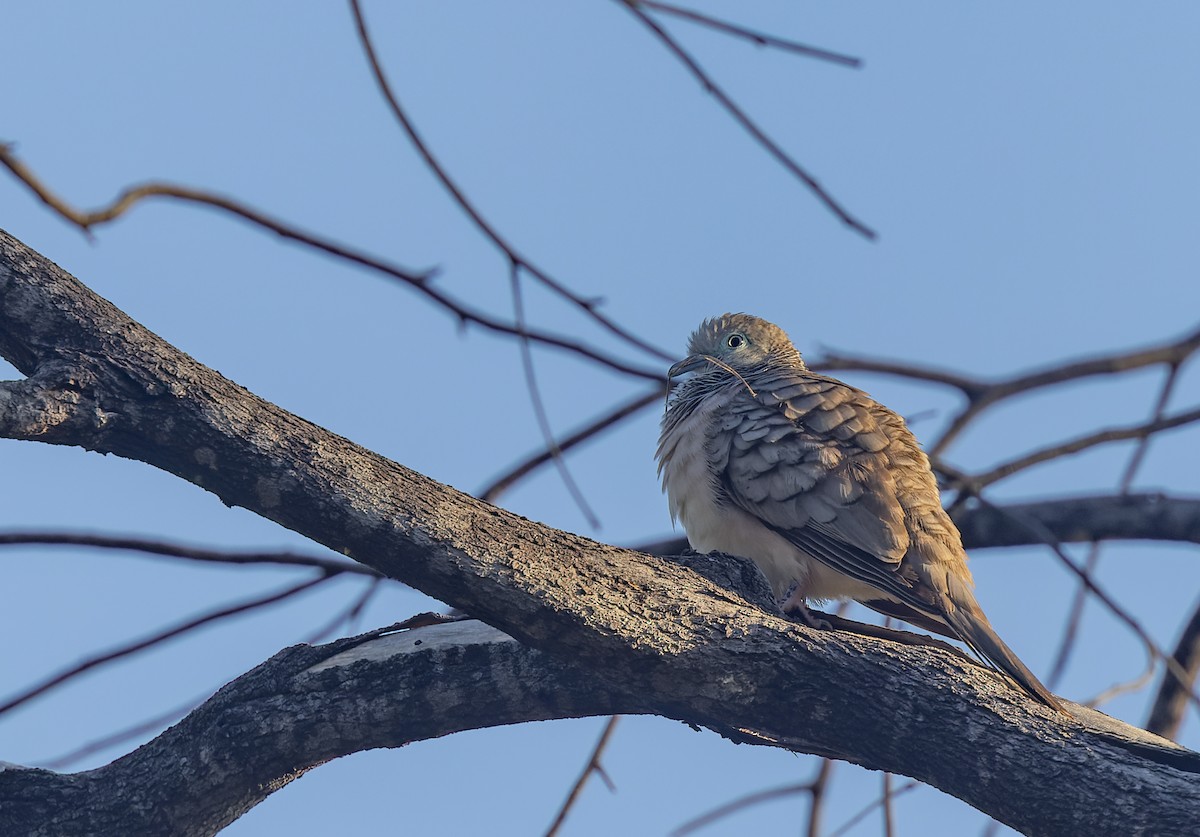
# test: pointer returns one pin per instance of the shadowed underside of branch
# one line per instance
(689, 648)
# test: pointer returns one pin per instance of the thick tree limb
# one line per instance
(307, 705)
(303, 707)
(689, 648)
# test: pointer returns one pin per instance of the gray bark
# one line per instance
(659, 636)
(303, 707)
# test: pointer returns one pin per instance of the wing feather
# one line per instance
(812, 458)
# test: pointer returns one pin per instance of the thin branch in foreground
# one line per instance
(155, 639)
(539, 406)
(588, 306)
(594, 428)
(417, 281)
(760, 38)
(170, 550)
(743, 119)
(593, 766)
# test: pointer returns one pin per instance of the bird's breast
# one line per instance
(715, 525)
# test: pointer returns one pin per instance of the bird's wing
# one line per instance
(815, 460)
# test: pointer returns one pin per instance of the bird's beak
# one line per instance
(688, 364)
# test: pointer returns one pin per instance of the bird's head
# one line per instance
(733, 344)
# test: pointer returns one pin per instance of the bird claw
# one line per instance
(793, 605)
(803, 614)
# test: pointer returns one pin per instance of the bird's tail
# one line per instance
(967, 622)
(973, 628)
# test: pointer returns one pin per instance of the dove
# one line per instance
(823, 487)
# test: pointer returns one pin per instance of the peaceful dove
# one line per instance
(825, 489)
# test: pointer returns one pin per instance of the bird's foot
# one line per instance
(794, 606)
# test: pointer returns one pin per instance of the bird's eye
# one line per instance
(734, 341)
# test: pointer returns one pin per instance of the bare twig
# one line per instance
(418, 281)
(588, 306)
(539, 406)
(1173, 353)
(121, 736)
(135, 194)
(1102, 595)
(153, 547)
(862, 814)
(1133, 684)
(751, 127)
(757, 798)
(760, 38)
(889, 824)
(155, 639)
(833, 362)
(1066, 644)
(738, 804)
(348, 616)
(983, 394)
(820, 782)
(594, 428)
(1082, 443)
(593, 766)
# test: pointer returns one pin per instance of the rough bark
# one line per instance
(303, 707)
(689, 648)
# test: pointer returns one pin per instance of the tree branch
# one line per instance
(984, 394)
(485, 227)
(420, 282)
(303, 707)
(749, 125)
(307, 705)
(1166, 716)
(594, 428)
(1151, 517)
(762, 39)
(1101, 437)
(188, 553)
(685, 647)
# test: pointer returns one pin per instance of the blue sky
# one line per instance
(1031, 171)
